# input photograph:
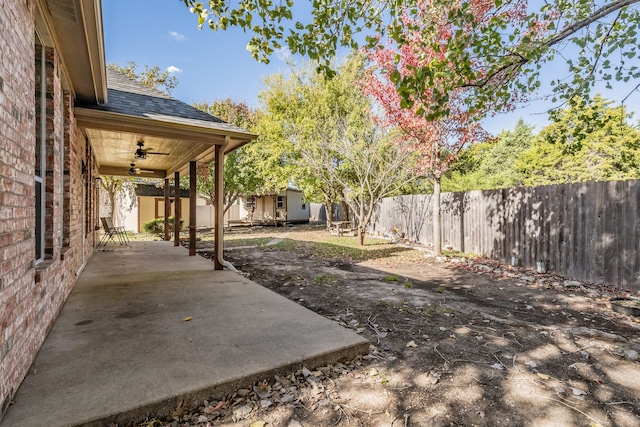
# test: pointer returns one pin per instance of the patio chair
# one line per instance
(111, 233)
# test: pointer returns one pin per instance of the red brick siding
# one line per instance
(31, 295)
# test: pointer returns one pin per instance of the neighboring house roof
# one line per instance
(269, 194)
(151, 190)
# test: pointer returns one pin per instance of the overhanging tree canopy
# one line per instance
(496, 48)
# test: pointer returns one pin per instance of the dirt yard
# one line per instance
(455, 341)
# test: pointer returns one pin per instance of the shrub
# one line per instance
(156, 226)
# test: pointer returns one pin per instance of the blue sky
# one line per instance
(216, 65)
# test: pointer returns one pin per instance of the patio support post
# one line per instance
(192, 208)
(176, 208)
(219, 201)
(167, 208)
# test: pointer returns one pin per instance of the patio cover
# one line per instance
(133, 114)
(136, 113)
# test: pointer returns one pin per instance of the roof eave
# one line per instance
(76, 33)
(106, 120)
(94, 36)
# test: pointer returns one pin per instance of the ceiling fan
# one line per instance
(141, 153)
(133, 170)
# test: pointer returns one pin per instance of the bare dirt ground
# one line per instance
(455, 341)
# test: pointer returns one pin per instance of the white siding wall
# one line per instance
(295, 212)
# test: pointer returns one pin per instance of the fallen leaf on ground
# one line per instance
(262, 389)
(412, 344)
(241, 413)
(265, 404)
(243, 392)
(577, 391)
(543, 376)
(258, 424)
(186, 319)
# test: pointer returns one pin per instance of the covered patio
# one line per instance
(143, 132)
(147, 326)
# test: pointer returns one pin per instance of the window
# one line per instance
(65, 176)
(280, 202)
(250, 203)
(304, 206)
(41, 137)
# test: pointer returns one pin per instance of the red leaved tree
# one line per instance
(439, 141)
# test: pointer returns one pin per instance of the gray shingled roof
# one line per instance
(127, 96)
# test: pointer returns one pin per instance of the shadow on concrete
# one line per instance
(147, 326)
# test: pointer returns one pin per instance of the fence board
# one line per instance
(635, 249)
(631, 227)
(588, 231)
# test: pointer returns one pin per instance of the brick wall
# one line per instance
(32, 294)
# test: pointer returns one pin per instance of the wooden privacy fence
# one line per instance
(588, 231)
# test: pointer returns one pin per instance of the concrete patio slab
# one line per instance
(121, 347)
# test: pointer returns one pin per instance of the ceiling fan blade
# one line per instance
(157, 153)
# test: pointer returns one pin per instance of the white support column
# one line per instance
(219, 205)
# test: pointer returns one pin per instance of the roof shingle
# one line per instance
(127, 96)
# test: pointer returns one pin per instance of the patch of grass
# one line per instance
(408, 285)
(391, 278)
(454, 253)
(437, 310)
(327, 280)
(383, 378)
(403, 307)
(383, 303)
(140, 237)
(441, 289)
(286, 245)
(252, 241)
(317, 242)
(293, 279)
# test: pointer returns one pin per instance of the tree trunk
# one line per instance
(328, 206)
(112, 202)
(437, 239)
(362, 224)
(345, 210)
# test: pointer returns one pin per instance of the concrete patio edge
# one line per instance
(165, 407)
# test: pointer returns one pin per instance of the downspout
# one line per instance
(219, 260)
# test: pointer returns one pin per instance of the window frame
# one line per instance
(40, 170)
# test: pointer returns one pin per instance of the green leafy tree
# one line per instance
(375, 166)
(590, 141)
(491, 164)
(153, 77)
(276, 158)
(118, 190)
(312, 112)
(241, 175)
(497, 49)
